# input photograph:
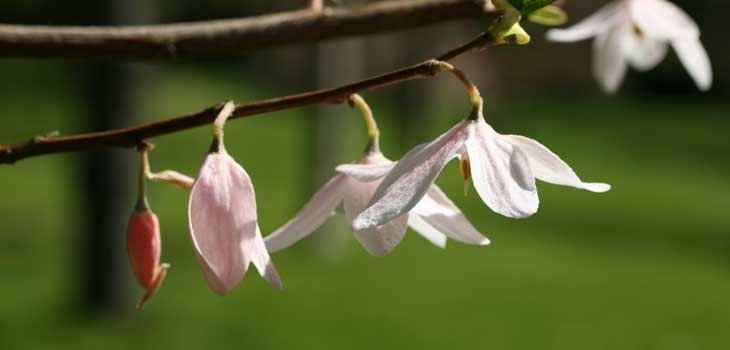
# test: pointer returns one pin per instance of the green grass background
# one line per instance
(645, 266)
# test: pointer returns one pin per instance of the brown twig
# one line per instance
(222, 37)
(132, 136)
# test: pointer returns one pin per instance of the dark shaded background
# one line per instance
(645, 266)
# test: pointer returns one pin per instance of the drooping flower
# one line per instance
(435, 217)
(637, 33)
(223, 220)
(503, 169)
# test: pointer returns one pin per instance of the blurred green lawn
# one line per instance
(645, 266)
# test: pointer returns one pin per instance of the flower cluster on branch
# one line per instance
(380, 197)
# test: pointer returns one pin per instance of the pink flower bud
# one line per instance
(143, 247)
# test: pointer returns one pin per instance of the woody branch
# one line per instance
(133, 136)
(226, 36)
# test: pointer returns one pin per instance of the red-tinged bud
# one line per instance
(143, 247)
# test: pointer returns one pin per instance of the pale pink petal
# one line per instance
(426, 230)
(441, 213)
(501, 173)
(313, 215)
(661, 19)
(255, 248)
(222, 209)
(591, 26)
(609, 64)
(409, 180)
(365, 172)
(695, 60)
(379, 240)
(548, 167)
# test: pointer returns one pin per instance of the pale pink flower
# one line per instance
(503, 168)
(638, 33)
(435, 217)
(223, 223)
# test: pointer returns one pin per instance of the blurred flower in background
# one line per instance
(637, 33)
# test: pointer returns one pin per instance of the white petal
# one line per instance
(221, 210)
(411, 177)
(427, 231)
(255, 248)
(644, 53)
(365, 172)
(379, 240)
(501, 173)
(313, 215)
(662, 19)
(591, 26)
(440, 212)
(609, 65)
(695, 60)
(548, 167)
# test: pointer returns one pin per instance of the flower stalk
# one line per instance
(373, 146)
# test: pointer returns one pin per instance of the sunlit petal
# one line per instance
(409, 180)
(427, 231)
(309, 218)
(440, 212)
(379, 240)
(548, 167)
(501, 173)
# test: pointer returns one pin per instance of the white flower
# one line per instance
(434, 217)
(638, 33)
(503, 168)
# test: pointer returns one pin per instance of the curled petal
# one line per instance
(255, 249)
(609, 64)
(548, 167)
(662, 19)
(428, 232)
(221, 214)
(365, 172)
(591, 26)
(441, 213)
(695, 60)
(408, 181)
(313, 215)
(379, 240)
(501, 173)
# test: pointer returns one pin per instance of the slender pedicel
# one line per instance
(373, 133)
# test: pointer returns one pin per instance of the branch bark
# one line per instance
(132, 136)
(221, 37)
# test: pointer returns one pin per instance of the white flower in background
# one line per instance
(434, 217)
(638, 33)
(503, 168)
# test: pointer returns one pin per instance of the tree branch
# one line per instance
(221, 37)
(132, 136)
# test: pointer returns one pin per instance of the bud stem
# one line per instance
(144, 166)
